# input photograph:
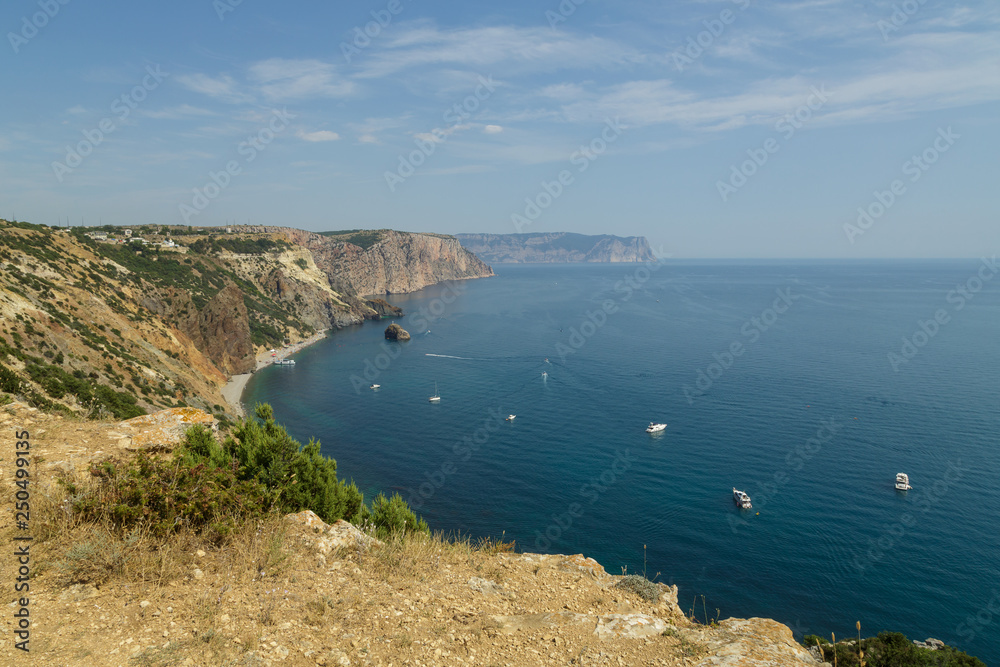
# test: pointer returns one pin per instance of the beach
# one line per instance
(233, 391)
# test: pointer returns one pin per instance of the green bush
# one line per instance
(9, 382)
(892, 649)
(169, 495)
(393, 516)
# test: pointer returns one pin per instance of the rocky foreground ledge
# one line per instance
(297, 591)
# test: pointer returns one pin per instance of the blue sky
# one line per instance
(716, 128)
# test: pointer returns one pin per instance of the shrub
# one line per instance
(639, 585)
(9, 382)
(393, 517)
(169, 495)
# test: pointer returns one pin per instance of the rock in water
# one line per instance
(396, 332)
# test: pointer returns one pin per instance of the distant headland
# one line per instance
(557, 247)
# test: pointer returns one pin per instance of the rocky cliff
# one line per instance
(557, 247)
(117, 325)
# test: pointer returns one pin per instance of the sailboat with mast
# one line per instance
(436, 398)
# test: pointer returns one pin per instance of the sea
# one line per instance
(807, 384)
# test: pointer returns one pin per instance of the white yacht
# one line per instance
(510, 418)
(741, 499)
(655, 428)
(902, 482)
(284, 362)
(436, 398)
(375, 386)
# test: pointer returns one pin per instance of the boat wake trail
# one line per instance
(448, 356)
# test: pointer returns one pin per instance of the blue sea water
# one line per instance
(810, 416)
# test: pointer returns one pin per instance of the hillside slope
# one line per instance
(115, 326)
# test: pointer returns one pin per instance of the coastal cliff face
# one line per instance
(395, 263)
(167, 325)
(557, 247)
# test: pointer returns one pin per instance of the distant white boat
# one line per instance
(510, 418)
(284, 362)
(741, 499)
(655, 428)
(436, 398)
(375, 386)
(544, 375)
(902, 482)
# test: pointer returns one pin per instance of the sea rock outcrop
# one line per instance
(383, 308)
(396, 332)
(557, 247)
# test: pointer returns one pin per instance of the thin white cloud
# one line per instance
(223, 88)
(76, 110)
(282, 79)
(493, 129)
(532, 49)
(177, 112)
(318, 136)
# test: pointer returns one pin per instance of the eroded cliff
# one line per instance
(557, 247)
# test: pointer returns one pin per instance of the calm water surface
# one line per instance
(810, 417)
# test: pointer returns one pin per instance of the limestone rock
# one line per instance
(325, 539)
(383, 308)
(396, 332)
(164, 428)
(629, 626)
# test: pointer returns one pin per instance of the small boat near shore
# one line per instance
(655, 428)
(284, 362)
(902, 482)
(741, 499)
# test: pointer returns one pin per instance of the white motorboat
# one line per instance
(375, 386)
(284, 362)
(741, 499)
(544, 375)
(655, 428)
(902, 482)
(510, 418)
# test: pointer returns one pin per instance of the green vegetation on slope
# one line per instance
(212, 487)
(890, 649)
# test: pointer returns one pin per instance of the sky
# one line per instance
(715, 128)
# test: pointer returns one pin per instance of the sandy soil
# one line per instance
(233, 391)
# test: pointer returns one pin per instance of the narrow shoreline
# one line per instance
(233, 389)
